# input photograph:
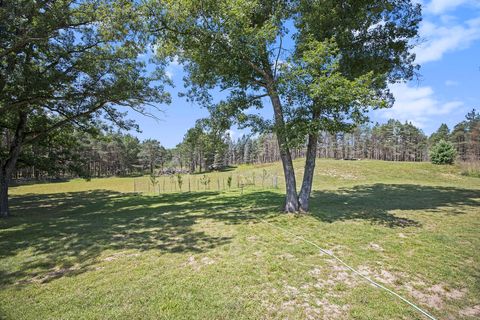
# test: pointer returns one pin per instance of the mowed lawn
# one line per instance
(94, 250)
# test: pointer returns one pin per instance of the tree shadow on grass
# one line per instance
(375, 203)
(62, 230)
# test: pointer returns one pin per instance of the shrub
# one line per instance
(153, 179)
(205, 181)
(180, 181)
(443, 152)
(470, 168)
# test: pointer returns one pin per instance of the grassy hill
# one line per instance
(95, 250)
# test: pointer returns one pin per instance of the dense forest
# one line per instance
(72, 153)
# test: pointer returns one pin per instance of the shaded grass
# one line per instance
(74, 253)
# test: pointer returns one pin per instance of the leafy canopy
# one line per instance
(73, 62)
(326, 60)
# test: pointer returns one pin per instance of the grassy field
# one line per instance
(95, 250)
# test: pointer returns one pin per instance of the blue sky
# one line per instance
(448, 86)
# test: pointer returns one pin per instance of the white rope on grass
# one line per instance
(376, 284)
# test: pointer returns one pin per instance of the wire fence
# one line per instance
(206, 182)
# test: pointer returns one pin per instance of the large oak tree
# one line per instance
(68, 62)
(320, 63)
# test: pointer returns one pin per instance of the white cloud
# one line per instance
(169, 74)
(418, 105)
(231, 133)
(441, 6)
(174, 62)
(443, 39)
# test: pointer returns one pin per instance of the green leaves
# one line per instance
(443, 153)
(320, 96)
(336, 69)
(75, 61)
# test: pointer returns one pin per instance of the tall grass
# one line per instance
(470, 168)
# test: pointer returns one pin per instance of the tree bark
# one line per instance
(291, 201)
(4, 210)
(8, 165)
(305, 191)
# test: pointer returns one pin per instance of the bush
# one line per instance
(443, 152)
(470, 168)
(180, 181)
(229, 182)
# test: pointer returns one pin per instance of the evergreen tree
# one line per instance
(442, 133)
(151, 154)
(443, 153)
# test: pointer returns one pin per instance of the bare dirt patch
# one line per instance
(375, 246)
(314, 298)
(471, 311)
(197, 265)
(384, 276)
(286, 256)
(331, 310)
(435, 295)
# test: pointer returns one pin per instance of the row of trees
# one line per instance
(71, 152)
(391, 141)
(465, 136)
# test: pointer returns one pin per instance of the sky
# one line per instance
(448, 85)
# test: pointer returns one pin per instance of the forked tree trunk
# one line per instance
(304, 196)
(291, 201)
(8, 166)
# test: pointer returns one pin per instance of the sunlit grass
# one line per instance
(94, 250)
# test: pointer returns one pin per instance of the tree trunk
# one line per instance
(291, 201)
(304, 197)
(8, 165)
(4, 210)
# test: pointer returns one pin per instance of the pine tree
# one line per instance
(443, 153)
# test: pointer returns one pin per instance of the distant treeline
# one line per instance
(72, 153)
(392, 141)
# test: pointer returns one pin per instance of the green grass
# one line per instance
(94, 250)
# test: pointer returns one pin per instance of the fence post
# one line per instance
(218, 184)
(188, 184)
(134, 186)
